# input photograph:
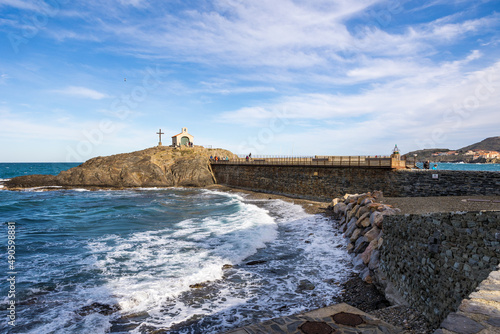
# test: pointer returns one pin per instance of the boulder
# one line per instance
(362, 210)
(365, 222)
(362, 198)
(352, 213)
(351, 226)
(339, 208)
(373, 233)
(366, 255)
(374, 260)
(380, 241)
(366, 276)
(367, 201)
(358, 263)
(305, 285)
(360, 219)
(376, 219)
(349, 248)
(355, 235)
(373, 206)
(346, 196)
(360, 245)
(334, 202)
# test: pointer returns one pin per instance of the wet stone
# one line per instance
(294, 326)
(460, 324)
(315, 327)
(348, 319)
(494, 322)
(277, 329)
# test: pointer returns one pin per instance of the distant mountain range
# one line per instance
(488, 144)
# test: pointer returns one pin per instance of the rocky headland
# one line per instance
(160, 166)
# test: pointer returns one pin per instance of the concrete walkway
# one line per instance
(480, 313)
(340, 318)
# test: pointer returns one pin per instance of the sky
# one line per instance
(80, 79)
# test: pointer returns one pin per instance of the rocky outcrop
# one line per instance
(153, 167)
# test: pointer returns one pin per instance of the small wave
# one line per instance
(40, 189)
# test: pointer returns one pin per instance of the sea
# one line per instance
(464, 166)
(175, 260)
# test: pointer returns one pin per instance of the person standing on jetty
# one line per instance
(427, 164)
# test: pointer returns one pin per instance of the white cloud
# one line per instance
(19, 4)
(258, 33)
(82, 92)
(134, 3)
(438, 107)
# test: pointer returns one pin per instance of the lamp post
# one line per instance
(415, 159)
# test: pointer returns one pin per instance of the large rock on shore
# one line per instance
(153, 167)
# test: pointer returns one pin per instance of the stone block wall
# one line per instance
(316, 183)
(325, 183)
(437, 260)
(412, 183)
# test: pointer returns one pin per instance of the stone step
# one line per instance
(338, 319)
(480, 313)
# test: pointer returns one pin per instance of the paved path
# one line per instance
(480, 313)
(338, 319)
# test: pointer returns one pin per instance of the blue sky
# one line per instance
(336, 77)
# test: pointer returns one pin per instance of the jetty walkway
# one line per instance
(339, 319)
(319, 161)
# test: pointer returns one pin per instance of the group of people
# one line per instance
(216, 158)
(427, 165)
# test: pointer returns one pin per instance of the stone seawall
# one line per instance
(325, 183)
(436, 260)
(430, 261)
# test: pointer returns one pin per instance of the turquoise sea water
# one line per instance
(463, 166)
(123, 261)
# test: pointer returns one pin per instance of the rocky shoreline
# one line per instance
(355, 292)
(361, 290)
(360, 218)
(160, 166)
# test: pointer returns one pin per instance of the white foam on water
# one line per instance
(149, 268)
(152, 271)
(321, 262)
(41, 189)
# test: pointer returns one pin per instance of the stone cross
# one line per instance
(160, 133)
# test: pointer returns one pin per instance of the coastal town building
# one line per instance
(182, 139)
(482, 154)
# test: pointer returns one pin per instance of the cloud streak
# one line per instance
(81, 92)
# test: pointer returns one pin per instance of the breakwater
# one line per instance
(431, 261)
(325, 183)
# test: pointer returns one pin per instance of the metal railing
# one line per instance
(331, 161)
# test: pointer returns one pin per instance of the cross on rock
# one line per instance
(160, 133)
